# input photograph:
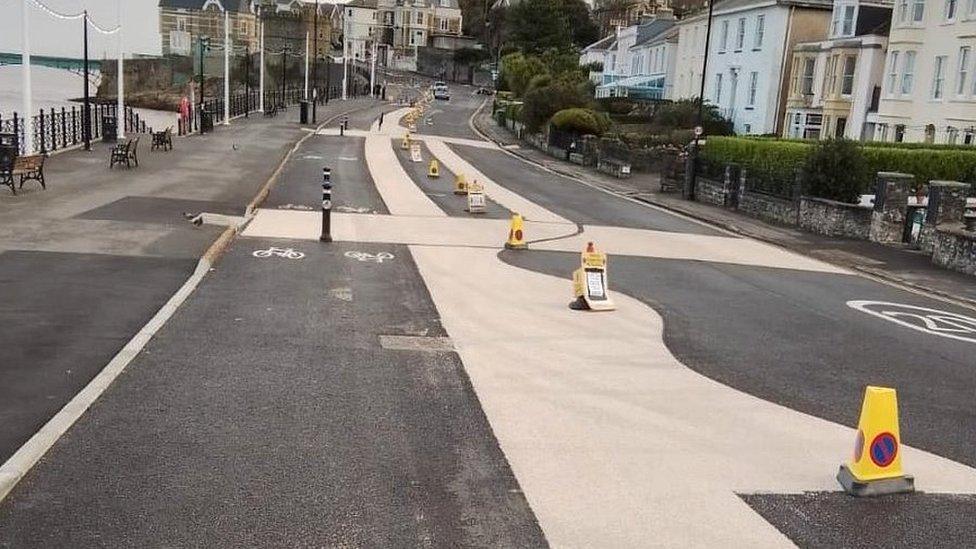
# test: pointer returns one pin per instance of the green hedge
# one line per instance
(777, 160)
(581, 121)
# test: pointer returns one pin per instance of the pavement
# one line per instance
(415, 384)
(86, 263)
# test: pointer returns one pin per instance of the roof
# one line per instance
(723, 6)
(602, 44)
(230, 5)
(371, 4)
(650, 31)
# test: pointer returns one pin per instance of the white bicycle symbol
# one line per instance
(365, 256)
(287, 253)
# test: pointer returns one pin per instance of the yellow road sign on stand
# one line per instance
(460, 184)
(876, 465)
(415, 153)
(476, 198)
(590, 288)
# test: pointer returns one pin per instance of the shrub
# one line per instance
(541, 103)
(581, 121)
(683, 114)
(836, 169)
(775, 161)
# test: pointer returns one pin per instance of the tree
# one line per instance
(535, 26)
(541, 103)
(518, 70)
(584, 30)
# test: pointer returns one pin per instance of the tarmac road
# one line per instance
(269, 412)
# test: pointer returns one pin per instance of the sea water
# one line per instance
(55, 88)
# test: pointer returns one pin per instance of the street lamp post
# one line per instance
(699, 119)
(25, 80)
(120, 84)
(226, 68)
(261, 63)
(315, 63)
(345, 58)
(86, 117)
(284, 71)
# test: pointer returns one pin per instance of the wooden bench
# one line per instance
(125, 153)
(162, 140)
(28, 168)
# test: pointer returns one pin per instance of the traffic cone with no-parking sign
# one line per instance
(434, 169)
(590, 282)
(876, 466)
(405, 144)
(516, 236)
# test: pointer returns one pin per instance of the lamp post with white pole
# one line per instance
(261, 62)
(345, 58)
(306, 66)
(120, 81)
(25, 79)
(372, 70)
(226, 67)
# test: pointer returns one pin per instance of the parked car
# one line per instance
(485, 91)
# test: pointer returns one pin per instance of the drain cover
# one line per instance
(414, 343)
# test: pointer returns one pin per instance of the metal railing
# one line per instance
(57, 129)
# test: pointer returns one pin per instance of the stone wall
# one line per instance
(955, 249)
(769, 208)
(831, 218)
(709, 192)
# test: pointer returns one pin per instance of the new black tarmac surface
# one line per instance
(835, 519)
(571, 199)
(440, 189)
(450, 117)
(299, 186)
(267, 413)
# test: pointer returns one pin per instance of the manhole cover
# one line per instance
(413, 343)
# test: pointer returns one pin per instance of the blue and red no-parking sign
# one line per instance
(883, 450)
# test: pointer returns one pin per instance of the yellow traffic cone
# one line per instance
(876, 466)
(434, 169)
(405, 144)
(460, 184)
(516, 236)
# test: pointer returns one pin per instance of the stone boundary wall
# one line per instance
(838, 219)
(955, 249)
(709, 192)
(769, 208)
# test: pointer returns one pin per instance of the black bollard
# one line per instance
(326, 205)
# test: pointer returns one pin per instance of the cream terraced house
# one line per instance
(928, 93)
(836, 83)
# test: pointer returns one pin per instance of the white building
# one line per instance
(835, 83)
(359, 28)
(687, 75)
(653, 59)
(749, 60)
(928, 91)
(636, 60)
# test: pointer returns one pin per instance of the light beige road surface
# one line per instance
(614, 442)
